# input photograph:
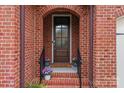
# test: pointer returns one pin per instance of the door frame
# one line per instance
(117, 57)
(62, 15)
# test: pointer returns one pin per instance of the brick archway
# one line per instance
(73, 35)
(61, 10)
(78, 11)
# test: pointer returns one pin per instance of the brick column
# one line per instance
(82, 46)
(104, 47)
(38, 39)
(9, 46)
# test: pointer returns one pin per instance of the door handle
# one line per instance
(53, 41)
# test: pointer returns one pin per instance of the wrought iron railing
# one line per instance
(42, 63)
(79, 67)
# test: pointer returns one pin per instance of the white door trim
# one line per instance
(119, 51)
(63, 15)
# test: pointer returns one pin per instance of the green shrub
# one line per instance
(36, 86)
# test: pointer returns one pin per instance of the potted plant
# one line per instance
(47, 62)
(47, 73)
(74, 62)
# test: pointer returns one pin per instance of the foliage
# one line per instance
(74, 61)
(35, 84)
(47, 70)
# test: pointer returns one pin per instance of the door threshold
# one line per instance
(61, 65)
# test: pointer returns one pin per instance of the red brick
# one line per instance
(6, 46)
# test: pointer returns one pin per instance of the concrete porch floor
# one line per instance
(65, 69)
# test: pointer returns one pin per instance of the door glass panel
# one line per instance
(58, 27)
(58, 42)
(64, 26)
(64, 32)
(64, 42)
(58, 32)
(61, 28)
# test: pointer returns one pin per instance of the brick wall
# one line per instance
(9, 46)
(47, 36)
(104, 62)
(75, 35)
(29, 44)
(84, 44)
(38, 21)
(105, 47)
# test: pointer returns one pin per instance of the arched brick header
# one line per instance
(119, 11)
(45, 10)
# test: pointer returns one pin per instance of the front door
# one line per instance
(61, 39)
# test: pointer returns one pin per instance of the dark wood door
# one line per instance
(61, 39)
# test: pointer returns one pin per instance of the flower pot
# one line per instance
(47, 77)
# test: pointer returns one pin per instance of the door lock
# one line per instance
(53, 41)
